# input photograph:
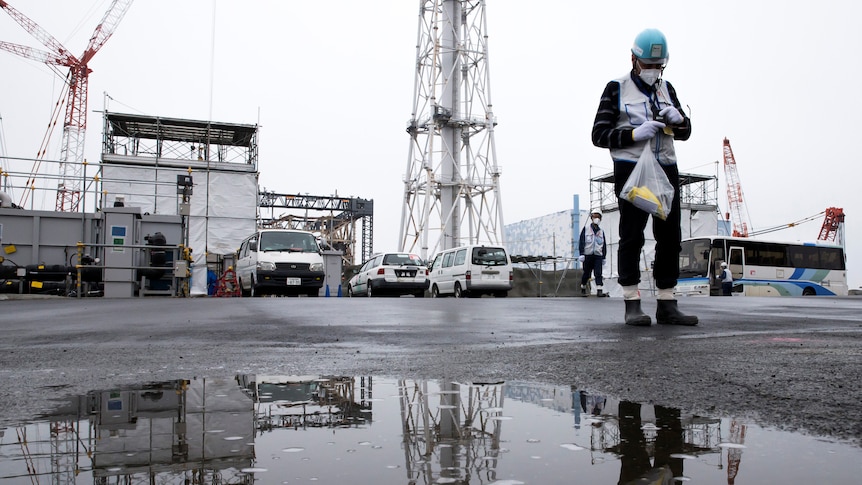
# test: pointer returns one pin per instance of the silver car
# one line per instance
(390, 274)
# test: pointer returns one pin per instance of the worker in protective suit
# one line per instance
(593, 249)
(637, 111)
(726, 280)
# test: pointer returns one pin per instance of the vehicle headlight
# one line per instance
(265, 266)
(316, 267)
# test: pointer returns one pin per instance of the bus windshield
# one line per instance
(694, 258)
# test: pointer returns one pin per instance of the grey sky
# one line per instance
(331, 84)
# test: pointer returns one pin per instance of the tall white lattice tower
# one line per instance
(452, 183)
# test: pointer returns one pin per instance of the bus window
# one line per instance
(831, 258)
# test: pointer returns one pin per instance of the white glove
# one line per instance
(647, 130)
(581, 258)
(604, 261)
(671, 114)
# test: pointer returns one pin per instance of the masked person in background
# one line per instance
(593, 250)
(726, 280)
(636, 111)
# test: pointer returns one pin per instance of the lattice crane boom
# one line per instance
(75, 121)
(735, 199)
(831, 224)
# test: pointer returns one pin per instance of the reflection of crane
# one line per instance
(734, 453)
(735, 201)
(75, 122)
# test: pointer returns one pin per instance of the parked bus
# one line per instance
(762, 268)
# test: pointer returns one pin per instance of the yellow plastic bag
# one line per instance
(648, 188)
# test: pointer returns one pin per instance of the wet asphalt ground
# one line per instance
(788, 363)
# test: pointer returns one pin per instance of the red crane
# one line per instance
(736, 203)
(831, 224)
(75, 121)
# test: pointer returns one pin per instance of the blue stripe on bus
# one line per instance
(798, 274)
(793, 287)
(788, 287)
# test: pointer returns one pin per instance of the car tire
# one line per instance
(242, 291)
(501, 294)
(252, 292)
(368, 289)
(349, 291)
(808, 291)
(435, 292)
(458, 292)
(419, 294)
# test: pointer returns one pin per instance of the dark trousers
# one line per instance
(636, 466)
(633, 221)
(726, 287)
(592, 264)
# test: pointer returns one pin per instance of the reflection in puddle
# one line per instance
(298, 429)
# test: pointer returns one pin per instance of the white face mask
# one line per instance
(596, 220)
(650, 76)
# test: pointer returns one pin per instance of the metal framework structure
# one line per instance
(735, 200)
(75, 121)
(696, 192)
(452, 181)
(338, 228)
(451, 434)
(831, 224)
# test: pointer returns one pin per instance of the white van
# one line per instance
(280, 261)
(472, 270)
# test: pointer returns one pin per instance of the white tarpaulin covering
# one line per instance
(222, 212)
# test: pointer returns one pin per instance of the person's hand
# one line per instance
(647, 130)
(581, 258)
(604, 261)
(672, 115)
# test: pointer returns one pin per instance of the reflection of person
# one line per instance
(591, 404)
(636, 111)
(726, 280)
(635, 465)
(593, 249)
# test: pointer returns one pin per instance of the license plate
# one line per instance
(294, 281)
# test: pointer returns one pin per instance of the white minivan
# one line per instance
(280, 261)
(472, 270)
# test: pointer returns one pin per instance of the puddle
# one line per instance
(302, 429)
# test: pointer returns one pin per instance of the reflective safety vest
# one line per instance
(593, 241)
(635, 108)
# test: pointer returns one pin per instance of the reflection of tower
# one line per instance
(452, 183)
(457, 437)
(734, 454)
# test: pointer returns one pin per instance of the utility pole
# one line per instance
(452, 181)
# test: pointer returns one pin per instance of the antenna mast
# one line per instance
(452, 182)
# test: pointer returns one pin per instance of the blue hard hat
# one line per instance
(651, 47)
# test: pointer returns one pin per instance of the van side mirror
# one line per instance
(252, 245)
